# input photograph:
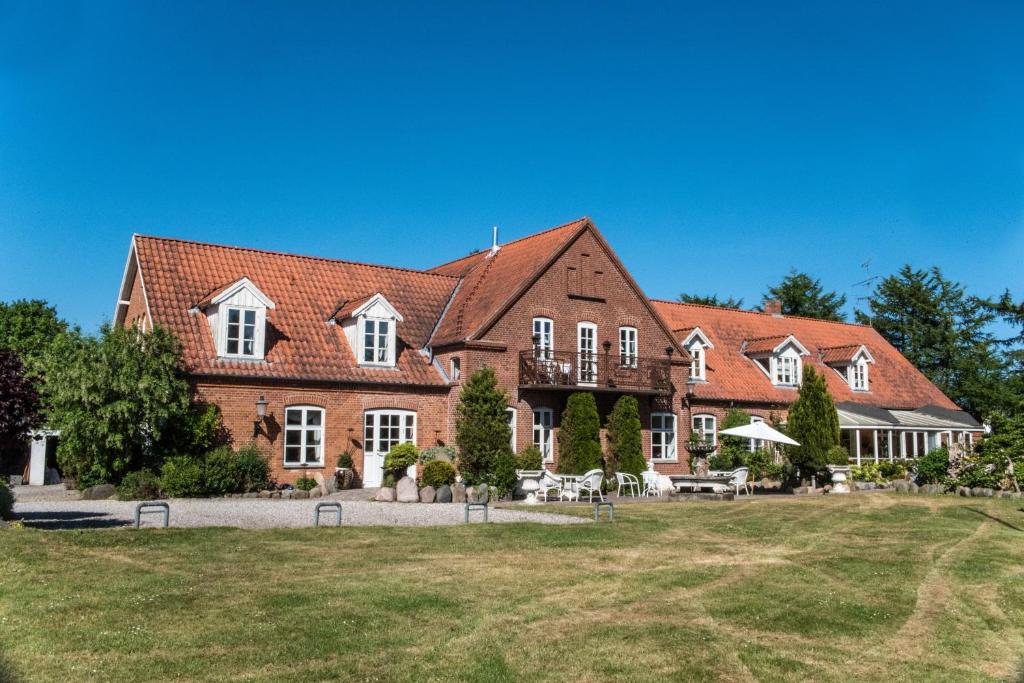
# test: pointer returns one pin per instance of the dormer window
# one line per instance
(780, 358)
(237, 315)
(370, 324)
(851, 362)
(696, 344)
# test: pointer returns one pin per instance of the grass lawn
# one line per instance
(867, 586)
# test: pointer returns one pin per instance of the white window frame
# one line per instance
(704, 418)
(698, 364)
(257, 337)
(406, 433)
(544, 332)
(389, 339)
(755, 444)
(512, 414)
(669, 446)
(859, 376)
(455, 364)
(304, 429)
(586, 363)
(543, 434)
(627, 346)
(779, 368)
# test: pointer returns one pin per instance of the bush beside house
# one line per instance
(483, 435)
(579, 437)
(625, 444)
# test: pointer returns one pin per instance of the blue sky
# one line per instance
(716, 145)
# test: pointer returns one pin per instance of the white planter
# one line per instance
(840, 475)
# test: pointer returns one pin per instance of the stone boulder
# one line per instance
(406, 491)
(458, 492)
(444, 494)
(471, 494)
(987, 492)
(976, 491)
(483, 494)
(99, 492)
(316, 492)
(901, 486)
(264, 494)
(385, 494)
(427, 494)
(912, 487)
(328, 484)
(300, 495)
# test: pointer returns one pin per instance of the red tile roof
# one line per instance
(307, 291)
(490, 282)
(763, 344)
(836, 355)
(733, 376)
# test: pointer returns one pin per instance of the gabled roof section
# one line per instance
(895, 382)
(773, 344)
(306, 292)
(356, 307)
(845, 355)
(695, 334)
(224, 293)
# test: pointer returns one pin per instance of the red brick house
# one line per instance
(353, 357)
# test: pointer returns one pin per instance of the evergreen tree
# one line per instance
(944, 333)
(482, 432)
(710, 300)
(813, 423)
(625, 445)
(800, 294)
(579, 436)
(1012, 313)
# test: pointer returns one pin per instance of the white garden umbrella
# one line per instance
(759, 431)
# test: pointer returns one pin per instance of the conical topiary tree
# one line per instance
(814, 423)
(625, 447)
(579, 436)
(482, 433)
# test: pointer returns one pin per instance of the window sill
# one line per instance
(379, 366)
(696, 380)
(665, 460)
(249, 359)
(303, 466)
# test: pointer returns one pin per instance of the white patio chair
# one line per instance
(629, 482)
(549, 483)
(652, 485)
(591, 484)
(739, 480)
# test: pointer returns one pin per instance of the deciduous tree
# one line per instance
(19, 401)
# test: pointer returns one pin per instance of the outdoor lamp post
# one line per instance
(261, 414)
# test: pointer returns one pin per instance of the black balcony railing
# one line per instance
(552, 368)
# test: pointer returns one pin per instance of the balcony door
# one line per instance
(586, 334)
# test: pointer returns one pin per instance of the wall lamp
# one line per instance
(261, 415)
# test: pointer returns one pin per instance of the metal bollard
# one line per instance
(151, 506)
(331, 505)
(611, 511)
(476, 506)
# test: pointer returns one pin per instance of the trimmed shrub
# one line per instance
(345, 460)
(220, 472)
(445, 453)
(482, 432)
(398, 459)
(305, 483)
(530, 459)
(579, 441)
(252, 470)
(625, 445)
(141, 485)
(502, 475)
(6, 501)
(182, 477)
(814, 424)
(933, 467)
(892, 470)
(837, 455)
(437, 473)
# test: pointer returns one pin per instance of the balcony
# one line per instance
(593, 372)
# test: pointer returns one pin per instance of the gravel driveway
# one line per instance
(258, 513)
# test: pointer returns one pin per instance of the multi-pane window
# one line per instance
(543, 337)
(859, 376)
(303, 436)
(705, 426)
(697, 362)
(627, 347)
(587, 348)
(241, 332)
(376, 337)
(542, 422)
(385, 429)
(756, 444)
(663, 436)
(510, 417)
(787, 372)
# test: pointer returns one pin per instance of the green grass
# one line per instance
(872, 587)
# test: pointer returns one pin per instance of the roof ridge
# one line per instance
(274, 252)
(519, 239)
(744, 310)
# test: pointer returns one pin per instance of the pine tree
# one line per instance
(800, 294)
(814, 424)
(625, 447)
(482, 432)
(710, 300)
(579, 436)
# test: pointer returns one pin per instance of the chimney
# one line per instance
(494, 241)
(773, 307)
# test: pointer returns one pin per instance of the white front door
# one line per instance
(587, 364)
(383, 430)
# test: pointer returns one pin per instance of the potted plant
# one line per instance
(344, 474)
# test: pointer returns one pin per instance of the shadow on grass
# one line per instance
(70, 520)
(994, 518)
(7, 672)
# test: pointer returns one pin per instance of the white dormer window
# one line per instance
(238, 320)
(780, 358)
(851, 362)
(787, 370)
(859, 376)
(696, 344)
(371, 324)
